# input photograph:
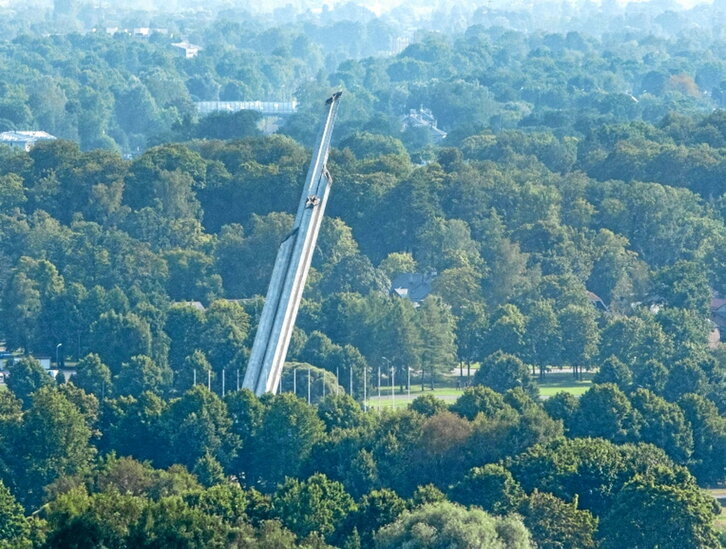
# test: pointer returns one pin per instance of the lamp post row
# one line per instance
(310, 382)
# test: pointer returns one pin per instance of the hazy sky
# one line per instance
(381, 6)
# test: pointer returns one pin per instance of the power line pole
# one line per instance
(379, 387)
(365, 389)
(393, 387)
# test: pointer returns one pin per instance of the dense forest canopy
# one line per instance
(568, 161)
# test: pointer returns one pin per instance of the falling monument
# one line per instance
(277, 321)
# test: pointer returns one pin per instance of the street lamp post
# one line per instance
(393, 386)
(57, 355)
(365, 389)
(390, 368)
(379, 387)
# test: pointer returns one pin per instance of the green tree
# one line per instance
(614, 371)
(663, 423)
(556, 524)
(684, 285)
(225, 332)
(580, 335)
(437, 455)
(648, 514)
(376, 509)
(605, 411)
(170, 522)
(246, 412)
(340, 411)
(287, 433)
(427, 405)
(12, 193)
(438, 340)
(141, 374)
(196, 425)
(25, 377)
(651, 375)
(440, 525)
(634, 339)
(195, 367)
(93, 376)
(506, 331)
(490, 487)
(685, 377)
(53, 441)
(208, 471)
(397, 263)
(476, 400)
(316, 504)
(563, 406)
(132, 425)
(22, 303)
(184, 326)
(502, 372)
(471, 328)
(708, 462)
(223, 125)
(14, 527)
(118, 337)
(191, 276)
(544, 342)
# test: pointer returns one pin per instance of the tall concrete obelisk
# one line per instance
(291, 269)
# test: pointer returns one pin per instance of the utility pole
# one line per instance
(365, 389)
(379, 387)
(393, 386)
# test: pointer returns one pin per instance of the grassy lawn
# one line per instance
(720, 521)
(553, 383)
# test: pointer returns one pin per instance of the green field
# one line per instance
(554, 383)
(720, 521)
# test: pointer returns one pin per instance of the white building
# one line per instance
(24, 140)
(186, 50)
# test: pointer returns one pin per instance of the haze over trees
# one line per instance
(583, 158)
